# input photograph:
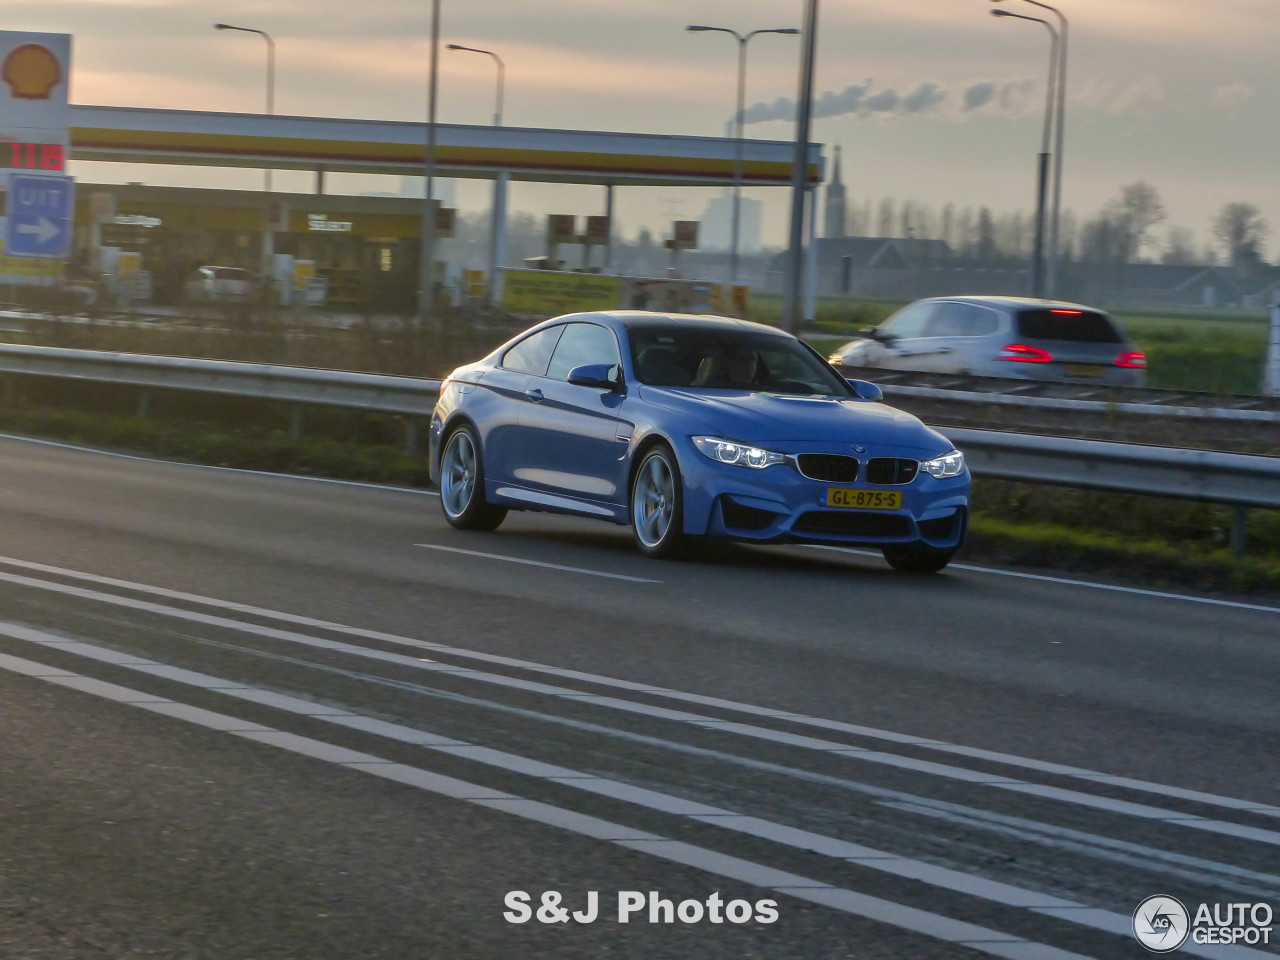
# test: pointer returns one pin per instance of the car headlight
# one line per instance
(737, 454)
(948, 465)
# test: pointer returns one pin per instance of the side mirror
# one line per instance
(881, 336)
(596, 375)
(866, 390)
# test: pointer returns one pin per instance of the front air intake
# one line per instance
(828, 467)
(891, 470)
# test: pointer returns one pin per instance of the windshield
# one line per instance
(730, 359)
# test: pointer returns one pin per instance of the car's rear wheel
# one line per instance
(462, 484)
(916, 557)
(657, 505)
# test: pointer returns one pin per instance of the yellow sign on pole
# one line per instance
(303, 270)
(127, 265)
(551, 292)
(475, 284)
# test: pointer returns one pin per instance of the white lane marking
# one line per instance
(933, 925)
(1201, 871)
(1091, 776)
(537, 563)
(1191, 869)
(956, 881)
(1121, 807)
(1065, 581)
(209, 466)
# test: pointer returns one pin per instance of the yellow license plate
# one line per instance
(1082, 370)
(864, 499)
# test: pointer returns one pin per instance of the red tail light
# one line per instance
(1022, 353)
(1069, 313)
(1132, 360)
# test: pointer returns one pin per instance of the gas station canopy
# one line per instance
(134, 135)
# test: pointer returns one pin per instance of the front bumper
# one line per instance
(780, 505)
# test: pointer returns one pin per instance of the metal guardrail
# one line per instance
(337, 388)
(1241, 480)
(1232, 478)
(1070, 395)
(1082, 406)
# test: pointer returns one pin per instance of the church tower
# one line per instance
(834, 211)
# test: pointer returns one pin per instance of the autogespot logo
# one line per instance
(1161, 924)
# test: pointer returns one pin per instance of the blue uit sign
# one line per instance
(40, 217)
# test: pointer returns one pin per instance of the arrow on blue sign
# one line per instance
(44, 230)
(41, 211)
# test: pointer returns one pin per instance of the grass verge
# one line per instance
(1150, 562)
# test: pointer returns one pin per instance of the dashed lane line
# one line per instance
(536, 563)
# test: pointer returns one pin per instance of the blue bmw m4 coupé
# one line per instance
(693, 426)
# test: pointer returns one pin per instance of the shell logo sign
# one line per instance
(31, 71)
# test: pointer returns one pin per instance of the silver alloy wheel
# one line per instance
(653, 502)
(458, 474)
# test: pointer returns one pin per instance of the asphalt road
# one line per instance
(248, 716)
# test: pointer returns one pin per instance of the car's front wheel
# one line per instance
(916, 557)
(657, 504)
(462, 484)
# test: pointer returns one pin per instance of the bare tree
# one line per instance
(1137, 210)
(1179, 248)
(966, 233)
(885, 218)
(986, 247)
(1242, 231)
(1067, 239)
(946, 232)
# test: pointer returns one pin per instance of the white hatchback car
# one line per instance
(1001, 337)
(219, 285)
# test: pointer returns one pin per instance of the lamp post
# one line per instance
(794, 281)
(1054, 235)
(738, 125)
(502, 75)
(267, 245)
(426, 258)
(1042, 165)
(498, 208)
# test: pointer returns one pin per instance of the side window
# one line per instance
(583, 343)
(981, 322)
(962, 320)
(531, 354)
(910, 322)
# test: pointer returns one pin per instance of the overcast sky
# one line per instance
(941, 101)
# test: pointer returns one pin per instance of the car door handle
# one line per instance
(535, 395)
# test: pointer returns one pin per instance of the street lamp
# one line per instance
(271, 73)
(1042, 165)
(268, 237)
(427, 250)
(498, 208)
(738, 124)
(800, 185)
(502, 73)
(1055, 236)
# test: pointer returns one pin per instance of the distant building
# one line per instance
(877, 267)
(834, 210)
(716, 230)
